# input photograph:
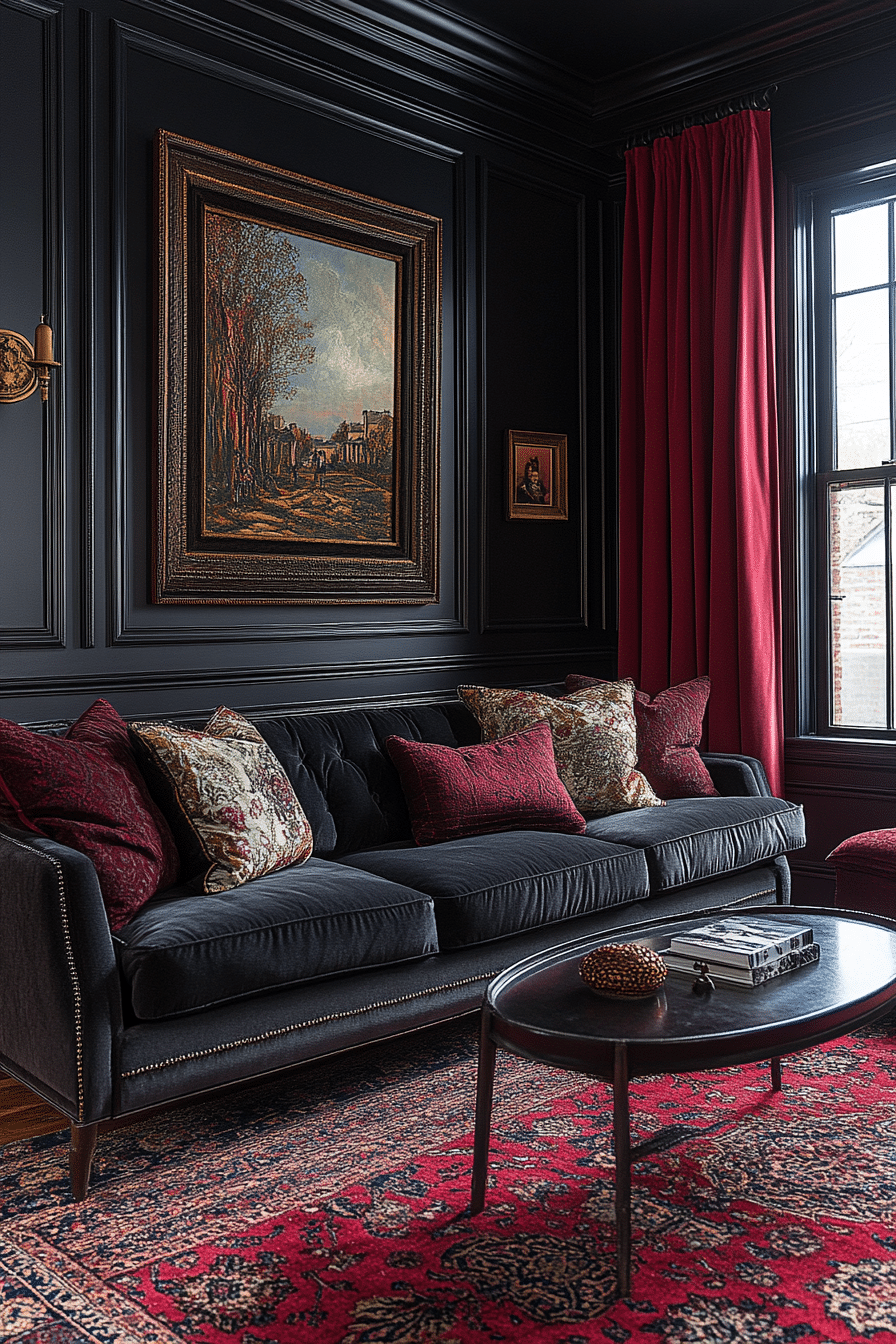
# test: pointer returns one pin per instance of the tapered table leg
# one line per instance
(485, 1086)
(622, 1145)
(776, 1074)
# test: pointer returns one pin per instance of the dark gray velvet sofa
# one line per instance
(371, 937)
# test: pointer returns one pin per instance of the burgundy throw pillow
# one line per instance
(669, 730)
(509, 784)
(85, 790)
(869, 852)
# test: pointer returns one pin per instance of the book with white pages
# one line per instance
(742, 940)
(744, 975)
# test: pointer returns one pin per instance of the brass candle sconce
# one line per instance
(24, 367)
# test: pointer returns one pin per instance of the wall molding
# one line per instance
(489, 172)
(798, 44)
(860, 115)
(491, 68)
(462, 439)
(458, 668)
(841, 753)
(537, 89)
(458, 47)
(253, 632)
(815, 789)
(805, 870)
(50, 632)
(89, 391)
(399, 700)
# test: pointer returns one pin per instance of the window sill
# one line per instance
(857, 752)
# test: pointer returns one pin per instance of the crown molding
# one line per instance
(428, 56)
(412, 46)
(808, 39)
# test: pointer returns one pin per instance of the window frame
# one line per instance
(816, 203)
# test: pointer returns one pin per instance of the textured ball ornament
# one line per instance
(623, 971)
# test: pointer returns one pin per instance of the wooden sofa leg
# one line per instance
(80, 1158)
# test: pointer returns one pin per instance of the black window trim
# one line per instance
(815, 202)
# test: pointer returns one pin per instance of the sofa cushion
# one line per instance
(670, 727)
(488, 886)
(85, 790)
(595, 740)
(510, 784)
(349, 789)
(694, 839)
(227, 797)
(185, 951)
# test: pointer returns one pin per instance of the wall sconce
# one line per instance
(22, 366)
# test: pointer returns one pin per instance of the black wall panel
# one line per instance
(535, 573)
(31, 497)
(161, 87)
(100, 79)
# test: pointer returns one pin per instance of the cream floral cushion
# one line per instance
(595, 739)
(229, 803)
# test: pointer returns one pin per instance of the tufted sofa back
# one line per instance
(348, 787)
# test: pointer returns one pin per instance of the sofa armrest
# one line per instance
(60, 1000)
(737, 776)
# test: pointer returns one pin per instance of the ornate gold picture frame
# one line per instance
(297, 451)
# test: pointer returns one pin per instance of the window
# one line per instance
(850, 242)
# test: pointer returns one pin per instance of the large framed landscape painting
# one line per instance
(298, 388)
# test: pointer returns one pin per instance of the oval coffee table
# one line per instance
(541, 1009)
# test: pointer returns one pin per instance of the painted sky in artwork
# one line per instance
(351, 301)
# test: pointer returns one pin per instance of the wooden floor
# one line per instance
(23, 1115)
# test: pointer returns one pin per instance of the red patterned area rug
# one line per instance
(331, 1209)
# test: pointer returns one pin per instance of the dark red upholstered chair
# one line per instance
(866, 872)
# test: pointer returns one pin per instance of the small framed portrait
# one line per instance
(536, 476)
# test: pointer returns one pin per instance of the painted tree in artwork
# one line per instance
(257, 343)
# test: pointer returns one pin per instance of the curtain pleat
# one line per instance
(699, 588)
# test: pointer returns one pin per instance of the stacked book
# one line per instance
(743, 951)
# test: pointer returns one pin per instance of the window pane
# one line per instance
(863, 379)
(858, 597)
(860, 248)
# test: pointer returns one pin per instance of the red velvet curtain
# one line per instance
(699, 586)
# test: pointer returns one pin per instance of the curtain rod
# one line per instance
(755, 102)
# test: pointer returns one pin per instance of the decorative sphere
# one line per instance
(623, 971)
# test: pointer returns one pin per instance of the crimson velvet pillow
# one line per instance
(85, 790)
(510, 784)
(669, 730)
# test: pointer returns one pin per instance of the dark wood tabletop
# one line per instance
(542, 1009)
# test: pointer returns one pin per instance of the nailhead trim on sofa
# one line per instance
(312, 1022)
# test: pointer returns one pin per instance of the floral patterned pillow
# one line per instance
(595, 739)
(227, 799)
(670, 727)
